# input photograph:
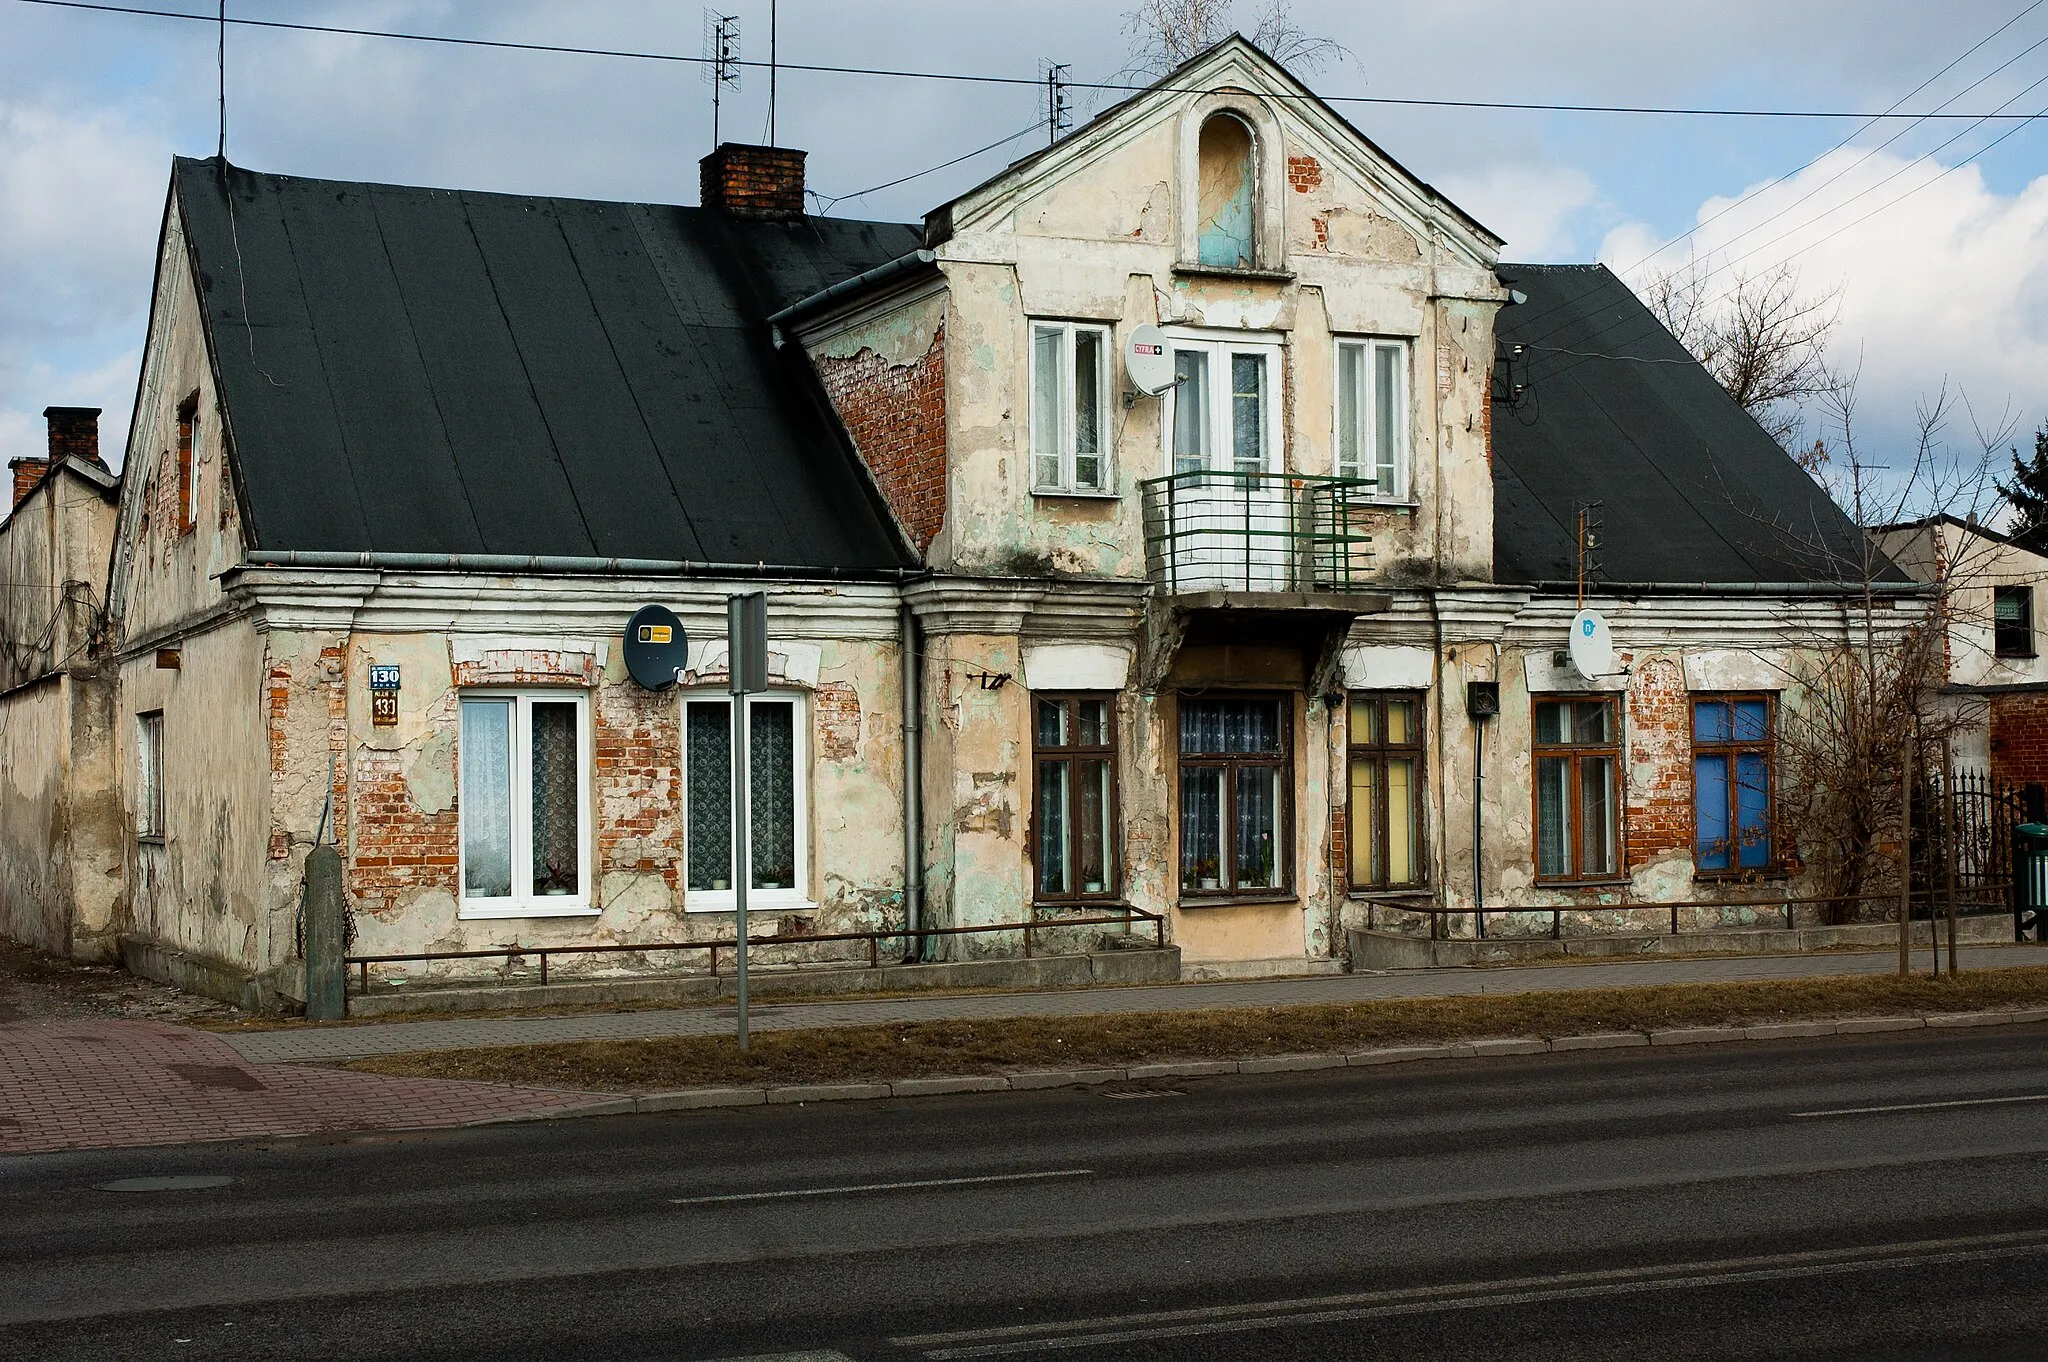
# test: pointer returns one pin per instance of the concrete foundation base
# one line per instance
(1149, 965)
(1286, 967)
(268, 993)
(1375, 950)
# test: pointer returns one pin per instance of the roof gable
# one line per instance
(437, 371)
(1236, 65)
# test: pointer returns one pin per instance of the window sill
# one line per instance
(1393, 896)
(1236, 900)
(1619, 882)
(1074, 494)
(501, 908)
(1724, 878)
(2015, 657)
(1201, 271)
(758, 901)
(1395, 505)
(1108, 905)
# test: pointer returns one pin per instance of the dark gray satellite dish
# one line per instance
(657, 650)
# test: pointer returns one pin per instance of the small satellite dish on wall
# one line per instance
(656, 648)
(1148, 359)
(1592, 644)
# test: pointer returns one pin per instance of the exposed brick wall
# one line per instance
(2019, 738)
(836, 715)
(896, 414)
(400, 849)
(1304, 173)
(1659, 756)
(752, 181)
(638, 787)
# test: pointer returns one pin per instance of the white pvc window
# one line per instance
(524, 803)
(1372, 414)
(1070, 421)
(149, 751)
(777, 813)
(1222, 414)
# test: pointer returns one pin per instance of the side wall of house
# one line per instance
(35, 867)
(200, 886)
(886, 375)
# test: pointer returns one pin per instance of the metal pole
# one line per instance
(742, 822)
(1906, 861)
(1478, 827)
(1948, 840)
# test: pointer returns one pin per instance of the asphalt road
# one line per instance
(1629, 1204)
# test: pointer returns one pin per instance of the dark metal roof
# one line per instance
(1615, 410)
(439, 371)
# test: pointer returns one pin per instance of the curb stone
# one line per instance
(686, 1099)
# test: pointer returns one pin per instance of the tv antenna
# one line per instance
(220, 61)
(1059, 107)
(721, 66)
(1592, 527)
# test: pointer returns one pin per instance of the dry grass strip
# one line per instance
(918, 1049)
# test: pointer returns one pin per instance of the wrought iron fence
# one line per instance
(1215, 531)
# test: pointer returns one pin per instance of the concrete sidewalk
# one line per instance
(349, 1042)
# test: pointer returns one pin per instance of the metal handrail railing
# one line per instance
(1228, 530)
(1784, 902)
(1124, 917)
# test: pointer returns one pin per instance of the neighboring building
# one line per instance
(1997, 678)
(1044, 645)
(60, 826)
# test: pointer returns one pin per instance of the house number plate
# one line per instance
(383, 676)
(384, 708)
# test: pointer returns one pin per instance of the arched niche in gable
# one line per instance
(1231, 169)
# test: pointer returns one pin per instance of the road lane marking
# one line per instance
(858, 1188)
(1921, 1106)
(1088, 1333)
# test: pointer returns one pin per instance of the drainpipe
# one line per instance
(913, 791)
(1478, 826)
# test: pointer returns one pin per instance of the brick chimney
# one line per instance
(74, 434)
(753, 182)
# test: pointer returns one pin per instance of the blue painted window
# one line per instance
(1731, 777)
(1224, 223)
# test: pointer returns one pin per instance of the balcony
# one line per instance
(1272, 533)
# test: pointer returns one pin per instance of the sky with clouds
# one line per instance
(1937, 239)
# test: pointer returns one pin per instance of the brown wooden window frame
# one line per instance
(1072, 755)
(188, 459)
(150, 804)
(1379, 752)
(1226, 889)
(2017, 638)
(1575, 754)
(1732, 749)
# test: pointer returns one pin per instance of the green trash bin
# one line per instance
(2030, 881)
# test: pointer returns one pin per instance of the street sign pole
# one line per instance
(747, 669)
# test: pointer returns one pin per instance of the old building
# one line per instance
(1184, 524)
(60, 828)
(1996, 679)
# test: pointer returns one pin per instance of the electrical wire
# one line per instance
(1125, 87)
(830, 201)
(1755, 190)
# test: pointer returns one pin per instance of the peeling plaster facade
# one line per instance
(272, 741)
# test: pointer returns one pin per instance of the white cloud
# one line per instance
(1532, 206)
(1946, 280)
(80, 199)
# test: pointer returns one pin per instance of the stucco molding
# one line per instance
(1076, 666)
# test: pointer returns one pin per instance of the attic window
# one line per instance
(188, 459)
(1224, 219)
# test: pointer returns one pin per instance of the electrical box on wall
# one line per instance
(1482, 699)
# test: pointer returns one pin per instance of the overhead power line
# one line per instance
(1512, 106)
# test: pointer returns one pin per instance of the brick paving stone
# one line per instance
(98, 1083)
(401, 1037)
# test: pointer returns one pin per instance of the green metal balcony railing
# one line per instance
(1214, 531)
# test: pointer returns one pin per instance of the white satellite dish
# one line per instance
(1592, 644)
(1148, 359)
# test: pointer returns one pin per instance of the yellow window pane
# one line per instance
(1400, 721)
(1401, 809)
(1364, 810)
(1364, 722)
